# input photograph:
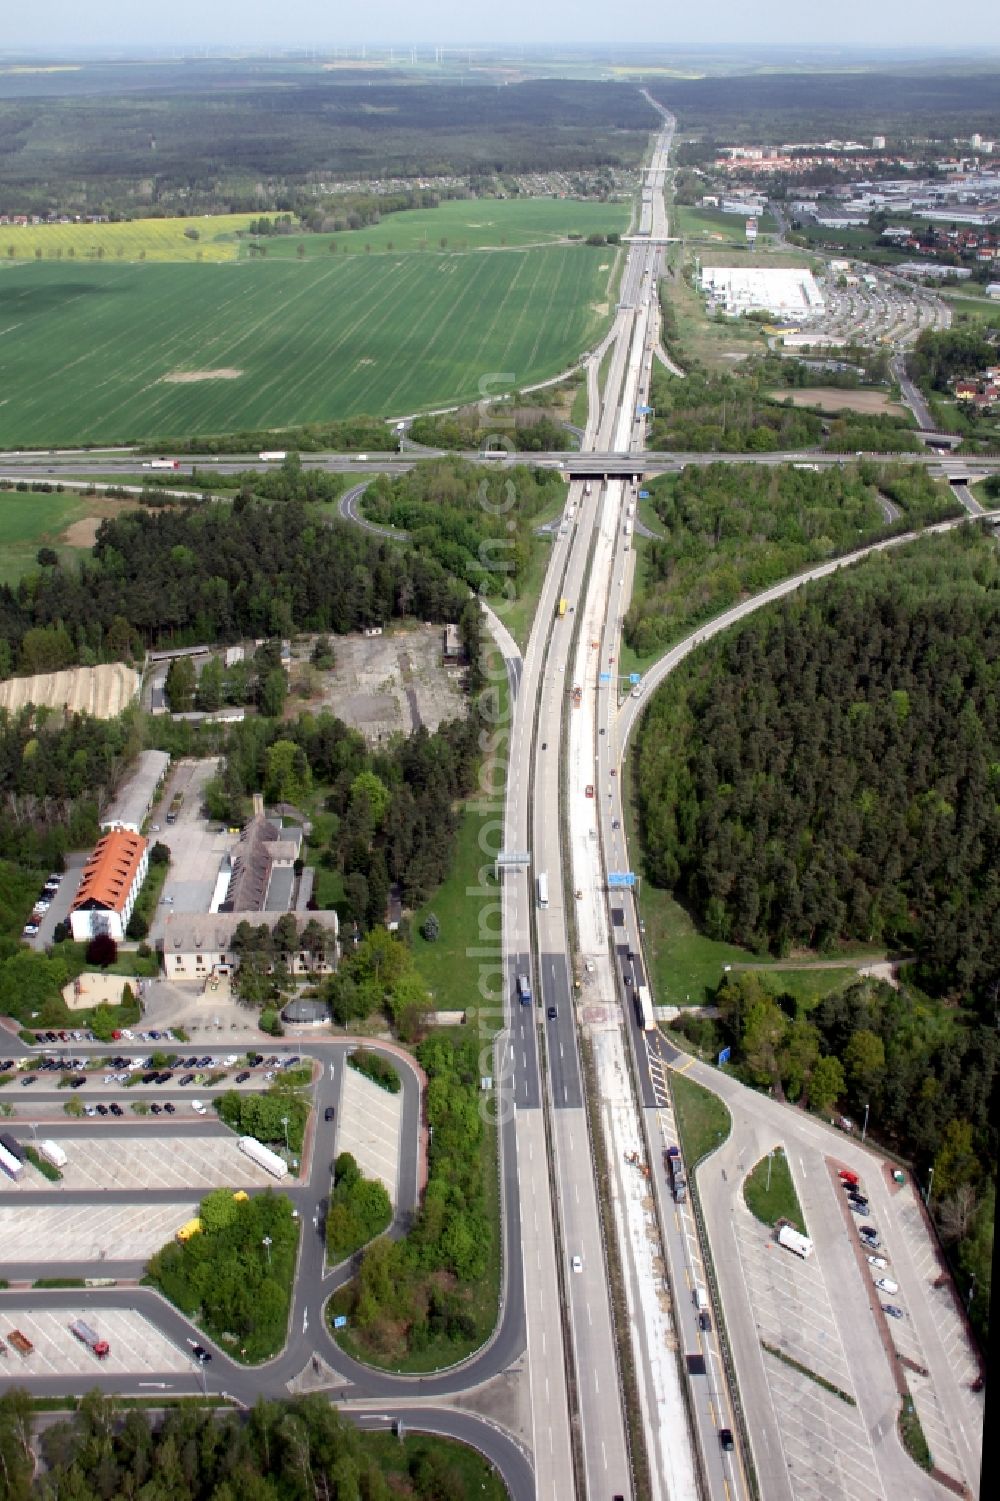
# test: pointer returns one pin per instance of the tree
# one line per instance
(287, 778)
(864, 1062)
(180, 685)
(368, 787)
(218, 1209)
(273, 690)
(431, 927)
(322, 654)
(47, 557)
(102, 950)
(210, 686)
(826, 1084)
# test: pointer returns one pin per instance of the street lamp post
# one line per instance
(864, 1128)
(972, 1293)
(284, 1122)
(930, 1181)
(266, 1243)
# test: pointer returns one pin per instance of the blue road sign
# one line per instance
(604, 677)
(643, 494)
(634, 677)
(643, 411)
(617, 878)
(724, 1055)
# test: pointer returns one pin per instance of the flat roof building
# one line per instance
(131, 804)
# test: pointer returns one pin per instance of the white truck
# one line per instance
(272, 455)
(628, 528)
(263, 1156)
(161, 464)
(52, 1152)
(792, 1241)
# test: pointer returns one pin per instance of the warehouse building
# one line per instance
(131, 804)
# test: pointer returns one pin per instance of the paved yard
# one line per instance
(370, 1120)
(196, 851)
(136, 1346)
(192, 1162)
(89, 1232)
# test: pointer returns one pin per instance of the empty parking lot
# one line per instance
(186, 1162)
(370, 1120)
(88, 1232)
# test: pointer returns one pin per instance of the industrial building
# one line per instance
(735, 290)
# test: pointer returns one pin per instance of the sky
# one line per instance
(122, 24)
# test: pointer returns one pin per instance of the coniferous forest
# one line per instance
(830, 771)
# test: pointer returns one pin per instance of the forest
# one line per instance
(728, 530)
(476, 525)
(852, 794)
(938, 358)
(286, 145)
(215, 573)
(295, 1450)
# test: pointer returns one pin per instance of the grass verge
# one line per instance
(804, 1370)
(912, 1435)
(770, 1194)
(461, 1470)
(703, 1121)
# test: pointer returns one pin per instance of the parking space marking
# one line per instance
(369, 1128)
(89, 1232)
(188, 1162)
(826, 1448)
(137, 1347)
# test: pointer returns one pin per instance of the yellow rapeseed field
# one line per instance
(141, 240)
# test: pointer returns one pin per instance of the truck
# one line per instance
(161, 464)
(524, 990)
(630, 508)
(586, 488)
(13, 1146)
(22, 1344)
(577, 696)
(675, 1171)
(263, 1156)
(543, 890)
(799, 1245)
(628, 528)
(90, 1338)
(52, 1152)
(645, 1001)
(562, 608)
(10, 1164)
(272, 455)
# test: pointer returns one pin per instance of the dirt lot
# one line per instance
(101, 691)
(831, 399)
(381, 685)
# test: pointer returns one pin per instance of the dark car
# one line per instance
(255, 1059)
(551, 1013)
(77, 1081)
(704, 1320)
(186, 1079)
(155, 1109)
(101, 1109)
(116, 1109)
(200, 1353)
(28, 1079)
(149, 1077)
(329, 1113)
(169, 1108)
(726, 1438)
(243, 1077)
(859, 1206)
(165, 1077)
(892, 1310)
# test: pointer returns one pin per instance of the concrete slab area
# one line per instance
(89, 1232)
(136, 1346)
(370, 1120)
(188, 1162)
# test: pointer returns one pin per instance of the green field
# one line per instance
(31, 521)
(463, 224)
(295, 342)
(712, 224)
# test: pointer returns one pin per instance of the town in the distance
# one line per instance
(499, 745)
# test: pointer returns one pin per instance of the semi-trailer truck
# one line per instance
(272, 455)
(161, 464)
(22, 1344)
(13, 1146)
(90, 1338)
(675, 1169)
(10, 1164)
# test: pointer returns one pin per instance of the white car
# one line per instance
(577, 1263)
(30, 929)
(199, 1107)
(886, 1285)
(878, 1261)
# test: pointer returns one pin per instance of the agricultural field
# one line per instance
(462, 224)
(209, 238)
(835, 399)
(712, 224)
(109, 353)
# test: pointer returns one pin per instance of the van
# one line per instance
(199, 1106)
(700, 1298)
(886, 1285)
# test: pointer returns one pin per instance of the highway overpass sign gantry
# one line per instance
(511, 860)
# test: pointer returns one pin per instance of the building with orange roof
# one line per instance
(111, 882)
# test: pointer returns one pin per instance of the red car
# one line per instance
(846, 1177)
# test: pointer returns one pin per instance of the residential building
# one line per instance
(198, 946)
(111, 882)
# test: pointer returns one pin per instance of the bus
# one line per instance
(644, 1009)
(543, 890)
(524, 990)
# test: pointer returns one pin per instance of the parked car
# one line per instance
(186, 1079)
(155, 1109)
(30, 929)
(169, 1108)
(115, 1108)
(243, 1077)
(102, 1109)
(878, 1261)
(893, 1311)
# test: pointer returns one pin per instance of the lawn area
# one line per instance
(461, 224)
(457, 1464)
(274, 344)
(35, 519)
(685, 966)
(807, 985)
(770, 1193)
(709, 342)
(448, 967)
(712, 224)
(703, 1121)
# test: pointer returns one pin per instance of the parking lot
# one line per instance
(369, 1124)
(89, 1232)
(189, 1161)
(136, 1347)
(196, 847)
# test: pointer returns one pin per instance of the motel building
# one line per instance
(112, 880)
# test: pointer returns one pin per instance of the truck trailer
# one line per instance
(272, 455)
(90, 1338)
(263, 1156)
(790, 1238)
(10, 1164)
(52, 1152)
(543, 890)
(13, 1146)
(675, 1170)
(22, 1344)
(161, 464)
